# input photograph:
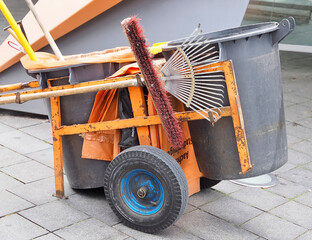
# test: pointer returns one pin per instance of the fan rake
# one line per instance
(189, 77)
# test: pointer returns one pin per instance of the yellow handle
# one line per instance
(17, 31)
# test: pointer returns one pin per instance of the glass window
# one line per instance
(276, 10)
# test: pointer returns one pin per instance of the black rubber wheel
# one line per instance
(146, 188)
(207, 183)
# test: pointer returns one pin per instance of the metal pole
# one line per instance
(47, 34)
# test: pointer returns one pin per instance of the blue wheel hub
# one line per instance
(142, 192)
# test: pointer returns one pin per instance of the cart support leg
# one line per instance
(57, 147)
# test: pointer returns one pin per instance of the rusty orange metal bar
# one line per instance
(132, 122)
(57, 147)
(18, 86)
(237, 117)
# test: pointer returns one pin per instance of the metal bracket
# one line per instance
(285, 27)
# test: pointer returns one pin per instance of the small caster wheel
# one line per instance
(146, 188)
(207, 183)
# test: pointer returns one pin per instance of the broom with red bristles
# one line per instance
(139, 46)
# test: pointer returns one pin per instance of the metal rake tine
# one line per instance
(198, 45)
(202, 79)
(210, 84)
(218, 99)
(195, 33)
(207, 61)
(203, 108)
(206, 67)
(208, 88)
(178, 64)
(198, 76)
(208, 74)
(180, 60)
(191, 56)
(198, 98)
(215, 93)
(195, 43)
(203, 57)
(186, 40)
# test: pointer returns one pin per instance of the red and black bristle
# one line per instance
(139, 46)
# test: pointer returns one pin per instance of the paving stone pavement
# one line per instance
(227, 211)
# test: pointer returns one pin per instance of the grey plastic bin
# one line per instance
(255, 55)
(75, 109)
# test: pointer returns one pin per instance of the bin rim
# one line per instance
(230, 34)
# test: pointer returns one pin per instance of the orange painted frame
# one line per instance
(142, 121)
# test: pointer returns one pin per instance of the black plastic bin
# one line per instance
(255, 55)
(81, 173)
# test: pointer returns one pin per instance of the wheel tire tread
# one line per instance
(175, 173)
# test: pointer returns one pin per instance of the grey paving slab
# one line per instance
(41, 191)
(44, 156)
(93, 203)
(306, 236)
(259, 198)
(29, 171)
(298, 131)
(21, 142)
(288, 189)
(295, 98)
(298, 158)
(19, 121)
(306, 122)
(189, 208)
(49, 236)
(291, 140)
(90, 229)
(9, 157)
(305, 199)
(41, 131)
(54, 215)
(173, 232)
(9, 203)
(288, 103)
(296, 112)
(49, 140)
(304, 146)
(299, 175)
(7, 182)
(5, 128)
(15, 227)
(296, 213)
(227, 187)
(307, 166)
(272, 227)
(206, 226)
(286, 167)
(231, 210)
(204, 196)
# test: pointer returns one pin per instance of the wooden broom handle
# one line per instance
(47, 34)
(22, 97)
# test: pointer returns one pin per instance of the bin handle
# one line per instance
(285, 27)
